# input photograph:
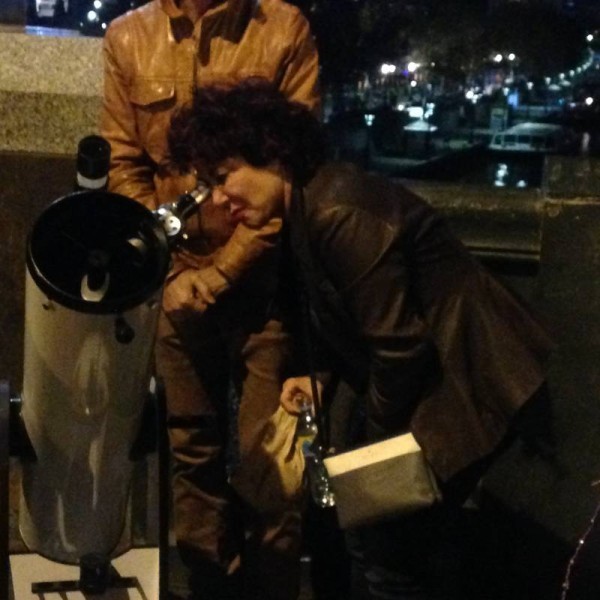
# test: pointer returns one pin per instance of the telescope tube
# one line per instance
(96, 264)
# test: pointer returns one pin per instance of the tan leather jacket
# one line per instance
(153, 58)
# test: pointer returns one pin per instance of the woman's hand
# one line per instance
(194, 290)
(296, 390)
(207, 285)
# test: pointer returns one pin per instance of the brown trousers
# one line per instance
(233, 549)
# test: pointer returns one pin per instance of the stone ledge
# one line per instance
(46, 123)
(50, 91)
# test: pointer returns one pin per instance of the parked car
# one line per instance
(48, 9)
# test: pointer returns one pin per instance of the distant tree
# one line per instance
(355, 36)
(450, 37)
(544, 40)
(336, 26)
(384, 27)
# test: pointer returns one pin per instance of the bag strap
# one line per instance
(308, 334)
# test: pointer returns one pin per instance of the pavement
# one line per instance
(178, 589)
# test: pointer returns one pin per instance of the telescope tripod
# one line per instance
(4, 483)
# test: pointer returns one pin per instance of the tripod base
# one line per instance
(37, 578)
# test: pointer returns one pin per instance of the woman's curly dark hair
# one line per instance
(251, 120)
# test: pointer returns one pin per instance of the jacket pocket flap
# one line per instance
(145, 92)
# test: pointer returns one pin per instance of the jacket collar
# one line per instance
(234, 6)
(172, 10)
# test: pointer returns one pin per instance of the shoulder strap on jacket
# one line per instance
(326, 310)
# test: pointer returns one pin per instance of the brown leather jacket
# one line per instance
(154, 57)
(434, 341)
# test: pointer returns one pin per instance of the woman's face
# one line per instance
(254, 195)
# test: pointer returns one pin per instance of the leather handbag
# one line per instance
(272, 474)
(381, 481)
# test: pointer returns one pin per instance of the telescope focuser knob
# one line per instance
(124, 333)
(173, 215)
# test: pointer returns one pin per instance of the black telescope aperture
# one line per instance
(108, 242)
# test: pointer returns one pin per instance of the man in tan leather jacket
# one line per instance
(154, 57)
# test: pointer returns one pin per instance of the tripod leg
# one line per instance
(164, 491)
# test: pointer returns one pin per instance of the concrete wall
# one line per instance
(49, 91)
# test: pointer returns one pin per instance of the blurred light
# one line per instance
(400, 107)
(469, 95)
(589, 37)
(521, 183)
(413, 83)
(530, 85)
(475, 98)
(103, 25)
(498, 58)
(511, 56)
(97, 4)
(387, 69)
(547, 80)
(589, 101)
(412, 66)
(369, 119)
(571, 73)
(92, 15)
(562, 75)
(501, 174)
(415, 112)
